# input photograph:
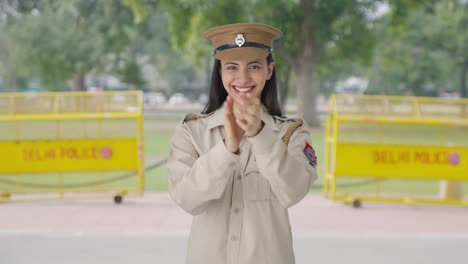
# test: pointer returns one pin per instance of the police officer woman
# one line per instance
(235, 167)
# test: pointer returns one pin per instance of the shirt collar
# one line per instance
(217, 119)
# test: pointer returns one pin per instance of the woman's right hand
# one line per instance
(233, 134)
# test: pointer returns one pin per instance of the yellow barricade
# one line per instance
(396, 149)
(71, 145)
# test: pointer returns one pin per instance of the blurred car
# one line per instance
(450, 94)
(154, 98)
(178, 98)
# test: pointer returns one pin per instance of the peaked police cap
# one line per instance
(242, 41)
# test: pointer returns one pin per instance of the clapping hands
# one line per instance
(242, 117)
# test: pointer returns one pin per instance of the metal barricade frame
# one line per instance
(391, 154)
(67, 145)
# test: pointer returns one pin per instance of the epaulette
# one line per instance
(292, 127)
(195, 116)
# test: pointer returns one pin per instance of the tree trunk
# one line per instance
(78, 83)
(304, 70)
(306, 96)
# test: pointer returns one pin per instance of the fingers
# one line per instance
(251, 127)
(240, 111)
(247, 120)
(246, 112)
(233, 135)
(229, 105)
(245, 99)
(245, 103)
(242, 124)
(229, 114)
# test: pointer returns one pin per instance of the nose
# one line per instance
(243, 77)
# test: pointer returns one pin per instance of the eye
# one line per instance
(255, 66)
(230, 67)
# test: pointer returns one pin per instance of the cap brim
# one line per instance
(242, 54)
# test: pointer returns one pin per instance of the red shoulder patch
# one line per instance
(310, 154)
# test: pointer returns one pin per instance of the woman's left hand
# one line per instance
(248, 114)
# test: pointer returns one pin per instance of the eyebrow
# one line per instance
(234, 63)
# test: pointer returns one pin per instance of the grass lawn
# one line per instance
(158, 133)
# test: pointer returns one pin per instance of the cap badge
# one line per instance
(240, 40)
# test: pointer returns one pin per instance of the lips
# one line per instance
(245, 89)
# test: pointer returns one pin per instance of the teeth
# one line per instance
(242, 90)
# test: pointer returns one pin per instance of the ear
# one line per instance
(271, 67)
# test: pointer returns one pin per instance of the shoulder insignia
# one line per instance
(286, 119)
(310, 154)
(292, 127)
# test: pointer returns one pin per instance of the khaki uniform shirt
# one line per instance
(239, 202)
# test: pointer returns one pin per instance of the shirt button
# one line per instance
(233, 238)
(239, 177)
(236, 210)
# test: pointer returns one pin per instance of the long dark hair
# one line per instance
(218, 94)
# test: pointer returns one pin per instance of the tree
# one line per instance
(9, 73)
(171, 66)
(6, 72)
(317, 31)
(324, 40)
(63, 40)
(421, 54)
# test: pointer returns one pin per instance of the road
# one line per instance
(152, 229)
(156, 247)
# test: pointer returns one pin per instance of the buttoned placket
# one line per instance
(237, 206)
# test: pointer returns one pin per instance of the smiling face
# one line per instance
(243, 77)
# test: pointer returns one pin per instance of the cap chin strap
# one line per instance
(246, 44)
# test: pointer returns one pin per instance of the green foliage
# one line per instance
(140, 9)
(415, 48)
(132, 74)
(423, 58)
(170, 65)
(64, 39)
(189, 19)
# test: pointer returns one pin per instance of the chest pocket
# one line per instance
(255, 186)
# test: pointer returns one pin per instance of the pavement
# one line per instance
(157, 211)
(153, 229)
